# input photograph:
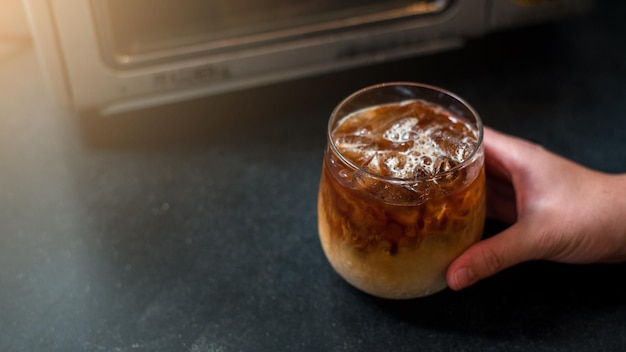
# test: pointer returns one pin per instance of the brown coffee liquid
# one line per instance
(402, 199)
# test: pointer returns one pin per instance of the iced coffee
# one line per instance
(402, 191)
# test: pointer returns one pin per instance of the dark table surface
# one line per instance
(192, 227)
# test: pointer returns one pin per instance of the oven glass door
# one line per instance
(139, 32)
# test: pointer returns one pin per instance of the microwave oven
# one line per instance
(113, 56)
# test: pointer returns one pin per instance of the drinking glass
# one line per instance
(402, 190)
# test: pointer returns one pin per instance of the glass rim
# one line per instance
(392, 179)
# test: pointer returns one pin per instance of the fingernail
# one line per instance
(463, 278)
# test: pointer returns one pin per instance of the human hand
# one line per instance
(559, 211)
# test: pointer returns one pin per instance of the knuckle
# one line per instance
(491, 262)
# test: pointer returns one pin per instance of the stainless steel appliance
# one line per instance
(112, 56)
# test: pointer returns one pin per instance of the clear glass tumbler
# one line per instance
(402, 191)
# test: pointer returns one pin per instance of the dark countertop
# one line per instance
(193, 227)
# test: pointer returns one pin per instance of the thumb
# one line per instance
(490, 256)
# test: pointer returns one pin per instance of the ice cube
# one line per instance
(465, 149)
(351, 142)
(443, 164)
(374, 164)
(448, 140)
(389, 146)
(357, 149)
(400, 130)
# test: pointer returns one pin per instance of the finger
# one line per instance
(490, 256)
(496, 154)
(506, 154)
